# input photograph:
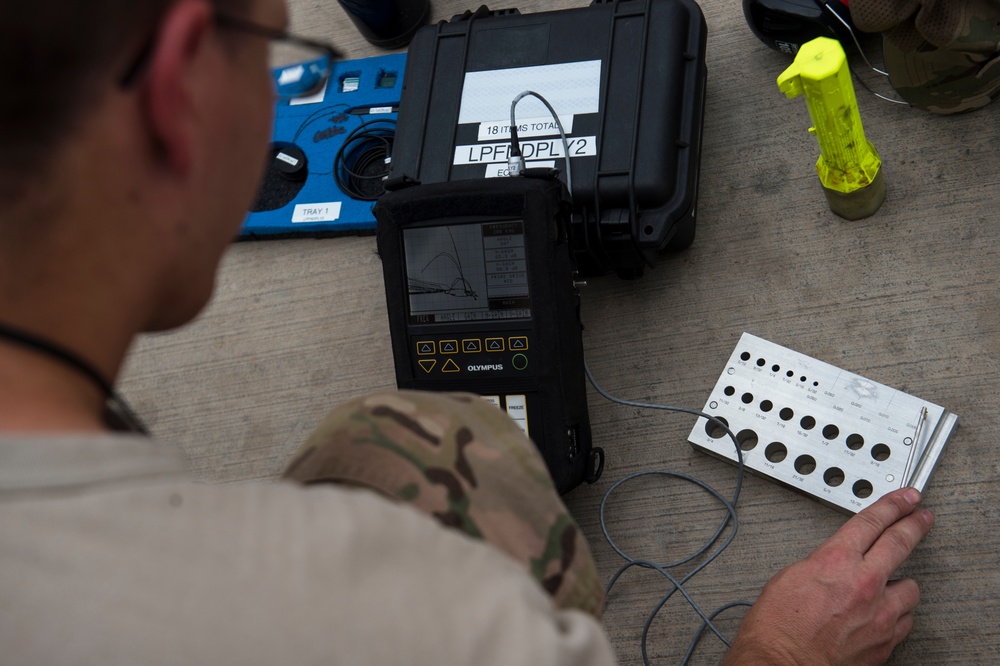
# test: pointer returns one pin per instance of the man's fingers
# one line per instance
(895, 545)
(902, 595)
(903, 627)
(862, 531)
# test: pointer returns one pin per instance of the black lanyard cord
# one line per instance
(118, 415)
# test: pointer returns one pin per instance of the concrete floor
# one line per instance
(907, 298)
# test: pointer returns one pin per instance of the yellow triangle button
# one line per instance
(427, 364)
(450, 366)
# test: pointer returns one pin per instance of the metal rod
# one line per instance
(913, 447)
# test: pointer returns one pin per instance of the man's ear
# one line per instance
(170, 89)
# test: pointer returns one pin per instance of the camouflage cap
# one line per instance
(942, 56)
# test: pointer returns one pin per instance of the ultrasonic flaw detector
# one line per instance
(481, 298)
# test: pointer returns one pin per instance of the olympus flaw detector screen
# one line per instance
(467, 272)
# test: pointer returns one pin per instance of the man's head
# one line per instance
(55, 57)
(132, 138)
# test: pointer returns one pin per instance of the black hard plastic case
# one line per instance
(634, 192)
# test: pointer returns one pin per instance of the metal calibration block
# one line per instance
(831, 434)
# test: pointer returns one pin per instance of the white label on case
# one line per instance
(316, 212)
(500, 129)
(571, 88)
(543, 149)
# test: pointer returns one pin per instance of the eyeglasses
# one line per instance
(300, 67)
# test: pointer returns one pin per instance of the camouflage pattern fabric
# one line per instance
(942, 56)
(467, 464)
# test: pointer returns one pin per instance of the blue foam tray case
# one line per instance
(319, 128)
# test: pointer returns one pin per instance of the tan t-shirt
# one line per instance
(110, 554)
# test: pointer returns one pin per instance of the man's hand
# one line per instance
(838, 606)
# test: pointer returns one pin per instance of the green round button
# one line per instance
(520, 361)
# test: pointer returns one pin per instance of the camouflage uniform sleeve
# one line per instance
(464, 462)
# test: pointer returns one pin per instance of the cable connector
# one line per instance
(515, 165)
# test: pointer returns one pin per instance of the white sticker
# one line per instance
(315, 98)
(492, 399)
(571, 88)
(502, 170)
(488, 153)
(517, 409)
(287, 159)
(380, 109)
(316, 212)
(516, 403)
(500, 129)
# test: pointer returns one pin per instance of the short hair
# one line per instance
(54, 53)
